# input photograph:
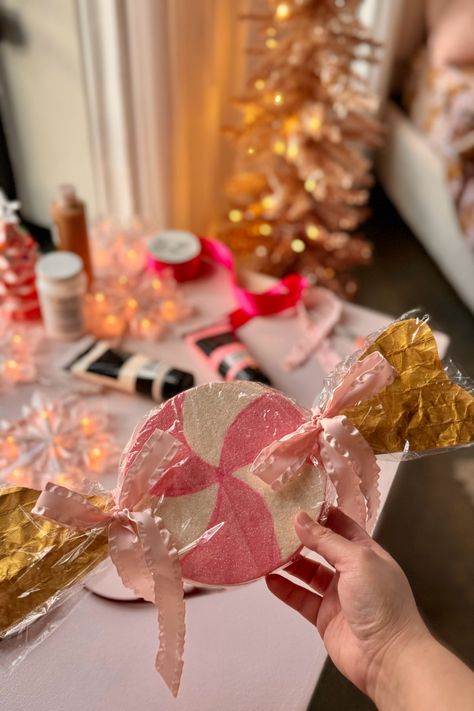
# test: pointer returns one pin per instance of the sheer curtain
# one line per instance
(160, 76)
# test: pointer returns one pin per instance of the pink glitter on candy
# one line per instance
(228, 525)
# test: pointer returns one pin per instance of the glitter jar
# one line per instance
(61, 284)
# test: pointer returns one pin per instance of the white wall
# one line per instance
(43, 102)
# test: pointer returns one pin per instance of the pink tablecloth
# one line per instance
(244, 650)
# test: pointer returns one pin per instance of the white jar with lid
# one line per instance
(61, 284)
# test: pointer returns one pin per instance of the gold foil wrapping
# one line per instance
(422, 407)
(39, 558)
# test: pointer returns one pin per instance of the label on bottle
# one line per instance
(63, 315)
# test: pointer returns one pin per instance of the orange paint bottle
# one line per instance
(69, 217)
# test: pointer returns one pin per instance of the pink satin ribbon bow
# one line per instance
(333, 443)
(139, 544)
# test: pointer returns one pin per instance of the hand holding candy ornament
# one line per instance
(366, 615)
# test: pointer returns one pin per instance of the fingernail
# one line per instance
(304, 520)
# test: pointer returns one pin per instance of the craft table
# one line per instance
(245, 650)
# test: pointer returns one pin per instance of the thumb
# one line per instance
(335, 548)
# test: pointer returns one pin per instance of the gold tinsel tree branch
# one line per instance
(309, 123)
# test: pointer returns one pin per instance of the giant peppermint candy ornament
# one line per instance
(229, 526)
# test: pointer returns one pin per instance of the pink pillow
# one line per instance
(451, 31)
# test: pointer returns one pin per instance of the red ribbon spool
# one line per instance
(182, 253)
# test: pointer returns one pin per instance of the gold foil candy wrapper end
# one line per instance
(39, 559)
(423, 408)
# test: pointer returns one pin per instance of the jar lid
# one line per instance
(174, 246)
(59, 266)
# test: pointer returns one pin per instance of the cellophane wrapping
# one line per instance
(228, 526)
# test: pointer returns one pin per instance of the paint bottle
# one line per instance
(226, 355)
(107, 364)
(69, 218)
(61, 285)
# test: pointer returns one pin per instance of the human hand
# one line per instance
(364, 610)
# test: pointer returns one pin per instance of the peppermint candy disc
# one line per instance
(228, 526)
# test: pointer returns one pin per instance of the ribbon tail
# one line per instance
(141, 470)
(127, 555)
(315, 331)
(368, 473)
(344, 461)
(327, 357)
(162, 561)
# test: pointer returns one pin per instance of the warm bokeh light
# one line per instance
(271, 43)
(235, 216)
(268, 202)
(265, 229)
(259, 84)
(314, 124)
(298, 246)
(312, 231)
(282, 11)
(293, 150)
(87, 425)
(279, 147)
(261, 250)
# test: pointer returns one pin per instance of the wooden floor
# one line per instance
(428, 522)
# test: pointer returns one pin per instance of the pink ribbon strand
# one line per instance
(284, 294)
(316, 331)
(331, 441)
(139, 544)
